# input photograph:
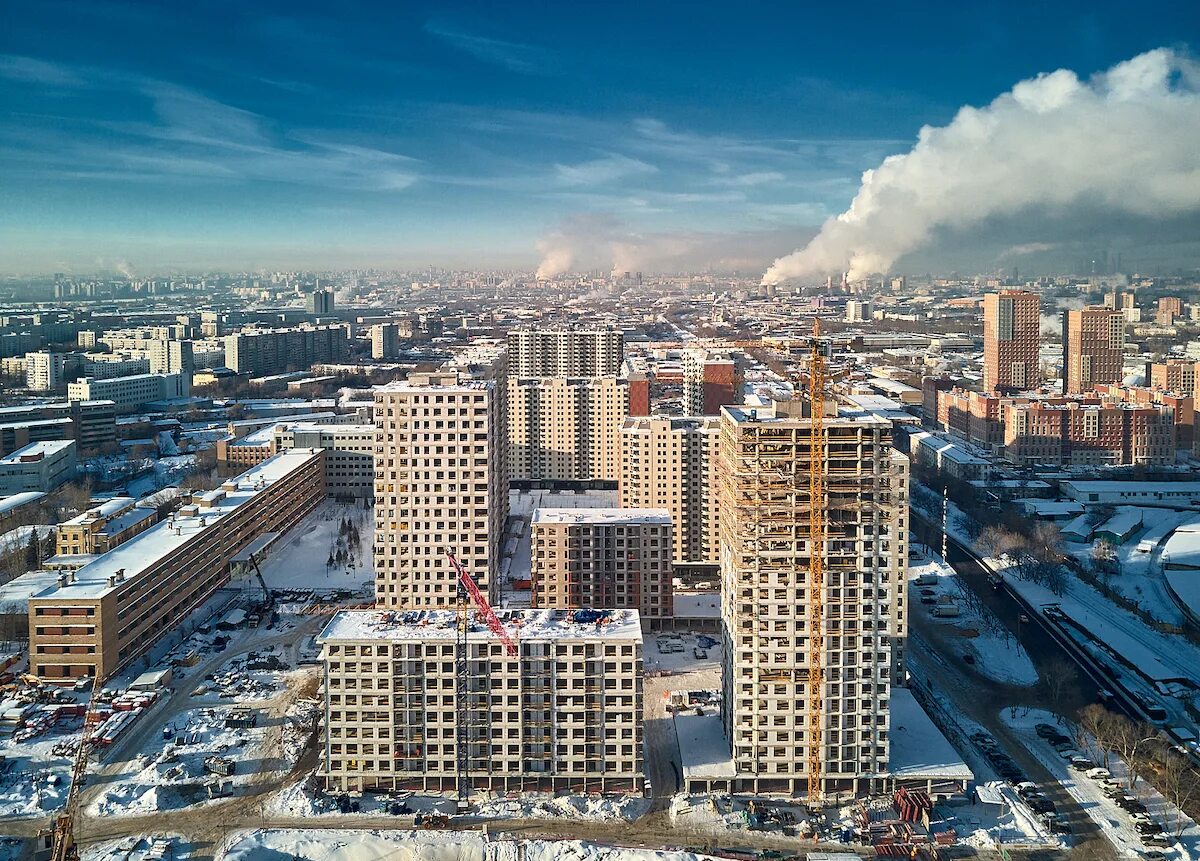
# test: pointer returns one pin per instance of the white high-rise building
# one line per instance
(766, 596)
(45, 371)
(670, 462)
(565, 352)
(439, 486)
(566, 428)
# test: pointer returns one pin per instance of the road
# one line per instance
(981, 699)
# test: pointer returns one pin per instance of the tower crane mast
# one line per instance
(816, 565)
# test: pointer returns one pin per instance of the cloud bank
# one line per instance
(602, 241)
(1122, 144)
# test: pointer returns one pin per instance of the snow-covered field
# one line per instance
(1140, 578)
(37, 780)
(170, 773)
(424, 846)
(299, 560)
(998, 654)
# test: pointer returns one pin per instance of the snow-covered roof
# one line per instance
(703, 749)
(1182, 549)
(16, 500)
(18, 591)
(1051, 508)
(1123, 523)
(144, 551)
(45, 448)
(697, 605)
(425, 625)
(657, 516)
(919, 750)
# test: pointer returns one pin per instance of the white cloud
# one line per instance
(1052, 149)
(602, 170)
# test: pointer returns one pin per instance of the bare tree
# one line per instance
(1095, 730)
(1179, 781)
(1058, 679)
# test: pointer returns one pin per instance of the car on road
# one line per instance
(1153, 855)
(699, 654)
(1081, 763)
(1045, 730)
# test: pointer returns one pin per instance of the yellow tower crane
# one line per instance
(816, 564)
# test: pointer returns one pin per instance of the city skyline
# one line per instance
(286, 137)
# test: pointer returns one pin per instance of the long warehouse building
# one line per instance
(94, 621)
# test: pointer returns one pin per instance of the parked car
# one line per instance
(1081, 763)
(1099, 774)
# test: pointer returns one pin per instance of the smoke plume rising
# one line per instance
(1122, 143)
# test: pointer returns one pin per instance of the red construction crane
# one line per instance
(482, 607)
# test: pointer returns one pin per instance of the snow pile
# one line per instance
(581, 807)
(38, 779)
(299, 845)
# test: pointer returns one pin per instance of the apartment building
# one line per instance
(1177, 409)
(565, 352)
(1011, 339)
(766, 595)
(39, 466)
(564, 714)
(103, 527)
(670, 463)
(615, 558)
(386, 339)
(130, 393)
(710, 381)
(1169, 308)
(566, 428)
(98, 619)
(171, 356)
(105, 366)
(349, 454)
(1095, 433)
(1093, 348)
(45, 371)
(439, 486)
(1173, 375)
(260, 352)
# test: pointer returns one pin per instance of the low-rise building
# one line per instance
(130, 393)
(95, 620)
(564, 713)
(38, 467)
(103, 527)
(349, 454)
(603, 557)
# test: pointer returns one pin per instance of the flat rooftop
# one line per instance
(46, 448)
(704, 750)
(657, 516)
(146, 550)
(919, 750)
(425, 625)
(16, 500)
(768, 415)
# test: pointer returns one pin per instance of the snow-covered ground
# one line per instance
(169, 773)
(300, 845)
(38, 779)
(300, 801)
(298, 560)
(167, 470)
(144, 848)
(1140, 578)
(670, 652)
(998, 654)
(1114, 823)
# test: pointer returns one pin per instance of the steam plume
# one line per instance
(1123, 143)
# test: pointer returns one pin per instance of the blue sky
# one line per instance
(231, 135)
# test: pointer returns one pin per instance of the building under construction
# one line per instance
(796, 708)
(562, 713)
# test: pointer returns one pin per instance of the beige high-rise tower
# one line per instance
(765, 552)
(439, 486)
(670, 462)
(566, 428)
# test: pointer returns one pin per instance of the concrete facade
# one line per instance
(566, 428)
(1011, 339)
(765, 554)
(439, 486)
(565, 352)
(565, 713)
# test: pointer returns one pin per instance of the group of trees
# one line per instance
(1035, 551)
(1144, 751)
(347, 545)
